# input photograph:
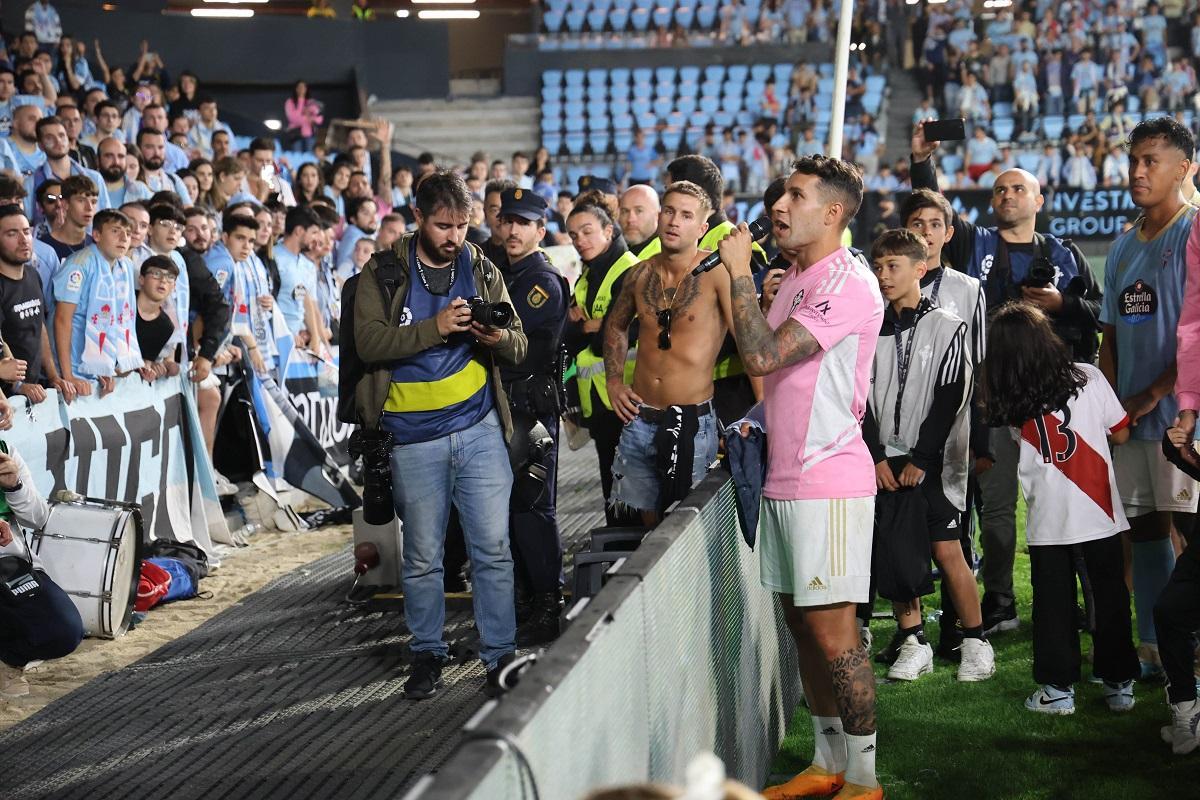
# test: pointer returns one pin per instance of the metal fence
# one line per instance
(681, 652)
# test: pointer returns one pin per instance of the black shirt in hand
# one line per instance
(21, 321)
(153, 334)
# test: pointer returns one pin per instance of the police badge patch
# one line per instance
(537, 297)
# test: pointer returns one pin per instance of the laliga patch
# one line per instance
(537, 297)
(300, 292)
(222, 276)
(406, 316)
(1137, 303)
(75, 280)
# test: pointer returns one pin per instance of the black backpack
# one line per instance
(351, 368)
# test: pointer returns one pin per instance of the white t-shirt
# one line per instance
(1066, 468)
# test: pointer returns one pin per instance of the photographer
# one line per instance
(539, 295)
(37, 619)
(1013, 262)
(432, 388)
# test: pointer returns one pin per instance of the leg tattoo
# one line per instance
(854, 689)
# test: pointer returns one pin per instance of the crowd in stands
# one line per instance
(1054, 88)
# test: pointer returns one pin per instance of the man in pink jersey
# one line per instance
(814, 349)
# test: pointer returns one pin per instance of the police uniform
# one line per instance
(539, 296)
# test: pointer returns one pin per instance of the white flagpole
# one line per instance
(841, 65)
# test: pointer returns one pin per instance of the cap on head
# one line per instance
(522, 203)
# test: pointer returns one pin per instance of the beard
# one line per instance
(369, 230)
(154, 164)
(112, 174)
(449, 251)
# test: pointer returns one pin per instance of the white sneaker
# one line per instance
(1119, 696)
(1051, 700)
(1183, 734)
(12, 681)
(978, 660)
(915, 660)
(864, 635)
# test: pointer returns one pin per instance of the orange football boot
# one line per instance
(852, 791)
(812, 782)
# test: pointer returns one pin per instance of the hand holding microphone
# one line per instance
(734, 249)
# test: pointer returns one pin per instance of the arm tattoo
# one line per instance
(616, 327)
(764, 350)
(854, 690)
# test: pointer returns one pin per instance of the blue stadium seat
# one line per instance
(760, 72)
(710, 88)
(677, 119)
(598, 141)
(710, 103)
(551, 124)
(876, 83)
(871, 103)
(643, 75)
(556, 5)
(723, 119)
(647, 121)
(622, 122)
(646, 4)
(551, 94)
(641, 106)
(1002, 129)
(693, 135)
(686, 103)
(574, 123)
(574, 77)
(671, 138)
(552, 77)
(575, 143)
(689, 74)
(1028, 161)
(685, 15)
(1052, 127)
(577, 5)
(622, 140)
(574, 94)
(596, 19)
(783, 76)
(714, 72)
(575, 20)
(619, 76)
(661, 17)
(600, 122)
(618, 19)
(642, 90)
(597, 77)
(1002, 110)
(666, 90)
(733, 88)
(706, 17)
(746, 118)
(825, 70)
(573, 108)
(664, 75)
(597, 108)
(553, 20)
(824, 115)
(1135, 116)
(698, 119)
(639, 18)
(951, 163)
(738, 72)
(625, 4)
(1074, 121)
(1133, 103)
(548, 43)
(552, 142)
(618, 105)
(594, 42)
(552, 109)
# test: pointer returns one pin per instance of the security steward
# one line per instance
(539, 295)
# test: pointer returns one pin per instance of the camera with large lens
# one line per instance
(1041, 274)
(496, 315)
(375, 449)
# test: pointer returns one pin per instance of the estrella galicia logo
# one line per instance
(1138, 302)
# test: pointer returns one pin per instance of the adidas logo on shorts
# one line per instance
(815, 585)
(1183, 496)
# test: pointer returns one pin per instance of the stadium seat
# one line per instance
(643, 75)
(551, 124)
(597, 77)
(552, 109)
(556, 5)
(876, 83)
(599, 122)
(1074, 121)
(825, 85)
(825, 70)
(723, 119)
(1002, 110)
(625, 4)
(671, 139)
(552, 77)
(737, 72)
(622, 140)
(647, 121)
(783, 77)
(951, 163)
(760, 72)
(574, 94)
(693, 135)
(552, 142)
(1028, 161)
(639, 18)
(1052, 128)
(575, 21)
(710, 104)
(597, 108)
(642, 90)
(746, 118)
(661, 17)
(686, 103)
(712, 88)
(574, 77)
(549, 43)
(646, 4)
(689, 74)
(871, 103)
(619, 76)
(551, 94)
(618, 105)
(699, 119)
(618, 19)
(664, 75)
(574, 123)
(575, 143)
(1002, 129)
(684, 16)
(706, 17)
(622, 122)
(1133, 103)
(553, 20)
(641, 106)
(598, 141)
(596, 19)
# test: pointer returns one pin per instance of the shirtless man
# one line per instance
(668, 411)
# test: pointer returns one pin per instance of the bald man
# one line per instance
(638, 217)
(1013, 262)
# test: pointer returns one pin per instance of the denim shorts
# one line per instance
(635, 480)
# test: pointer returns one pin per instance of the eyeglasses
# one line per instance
(52, 198)
(160, 275)
(664, 335)
(169, 225)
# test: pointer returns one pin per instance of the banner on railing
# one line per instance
(137, 444)
(312, 387)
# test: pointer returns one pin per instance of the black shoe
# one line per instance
(491, 686)
(425, 678)
(542, 626)
(949, 647)
(997, 616)
(889, 654)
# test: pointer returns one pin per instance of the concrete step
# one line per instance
(904, 96)
(454, 129)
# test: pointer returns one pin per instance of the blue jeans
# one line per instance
(471, 468)
(635, 475)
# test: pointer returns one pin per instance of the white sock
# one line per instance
(860, 760)
(830, 753)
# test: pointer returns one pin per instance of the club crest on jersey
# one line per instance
(1137, 303)
(796, 301)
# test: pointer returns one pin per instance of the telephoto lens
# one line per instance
(496, 315)
(375, 447)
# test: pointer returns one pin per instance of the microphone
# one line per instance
(758, 229)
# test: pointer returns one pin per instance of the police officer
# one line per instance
(539, 295)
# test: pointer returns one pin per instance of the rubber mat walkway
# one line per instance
(290, 694)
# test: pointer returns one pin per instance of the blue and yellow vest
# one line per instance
(444, 389)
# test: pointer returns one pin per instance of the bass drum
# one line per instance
(92, 549)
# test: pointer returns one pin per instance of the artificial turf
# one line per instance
(939, 738)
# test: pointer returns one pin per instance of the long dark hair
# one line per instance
(1029, 371)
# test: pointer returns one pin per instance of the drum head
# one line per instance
(126, 570)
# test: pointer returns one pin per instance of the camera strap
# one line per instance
(999, 285)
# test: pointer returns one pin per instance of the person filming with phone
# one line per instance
(1013, 262)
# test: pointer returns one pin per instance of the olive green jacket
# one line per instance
(381, 340)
